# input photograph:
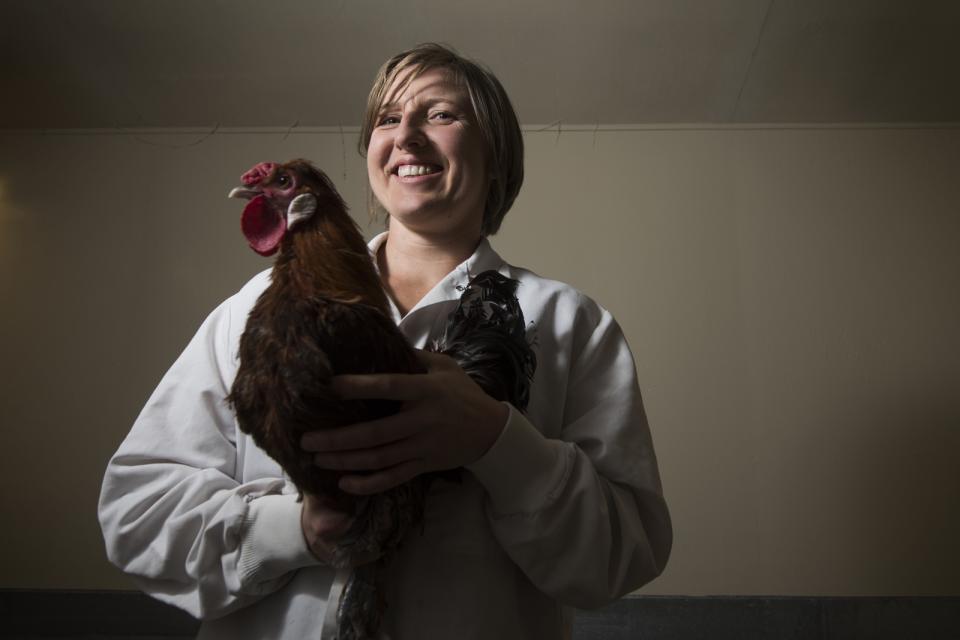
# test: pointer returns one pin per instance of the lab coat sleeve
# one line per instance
(173, 513)
(582, 514)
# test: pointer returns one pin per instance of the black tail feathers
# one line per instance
(487, 336)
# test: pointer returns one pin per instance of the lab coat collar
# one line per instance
(450, 287)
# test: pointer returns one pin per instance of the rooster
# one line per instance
(325, 313)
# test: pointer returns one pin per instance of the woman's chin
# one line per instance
(427, 220)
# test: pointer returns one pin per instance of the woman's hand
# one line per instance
(446, 421)
(322, 525)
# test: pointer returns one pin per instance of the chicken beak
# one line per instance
(243, 192)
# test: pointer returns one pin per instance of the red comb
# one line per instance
(258, 173)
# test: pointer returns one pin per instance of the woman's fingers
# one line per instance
(434, 361)
(393, 386)
(445, 421)
(365, 459)
(323, 525)
(379, 386)
(382, 480)
(362, 435)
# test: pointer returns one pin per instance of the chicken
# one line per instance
(325, 313)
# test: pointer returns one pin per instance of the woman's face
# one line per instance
(425, 160)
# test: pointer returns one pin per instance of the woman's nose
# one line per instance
(409, 134)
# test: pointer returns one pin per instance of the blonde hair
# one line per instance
(492, 111)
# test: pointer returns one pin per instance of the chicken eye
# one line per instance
(283, 180)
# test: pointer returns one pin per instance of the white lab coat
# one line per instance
(565, 510)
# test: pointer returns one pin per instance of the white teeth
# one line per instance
(414, 170)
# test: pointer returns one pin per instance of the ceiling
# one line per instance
(253, 63)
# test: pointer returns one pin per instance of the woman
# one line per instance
(561, 507)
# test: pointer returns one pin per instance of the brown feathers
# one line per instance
(324, 313)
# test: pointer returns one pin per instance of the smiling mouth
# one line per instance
(408, 170)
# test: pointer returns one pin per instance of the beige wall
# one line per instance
(790, 294)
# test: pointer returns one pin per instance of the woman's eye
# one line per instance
(442, 115)
(385, 120)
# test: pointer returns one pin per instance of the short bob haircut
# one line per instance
(491, 109)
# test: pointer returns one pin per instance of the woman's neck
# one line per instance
(412, 264)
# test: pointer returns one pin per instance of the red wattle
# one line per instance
(262, 226)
